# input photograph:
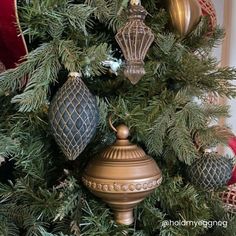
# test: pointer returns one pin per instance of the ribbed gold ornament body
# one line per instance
(122, 175)
(185, 15)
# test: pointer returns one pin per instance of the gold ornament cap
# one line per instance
(122, 175)
(135, 2)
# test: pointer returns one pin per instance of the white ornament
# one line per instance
(2, 160)
(114, 64)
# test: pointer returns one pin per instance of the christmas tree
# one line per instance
(41, 191)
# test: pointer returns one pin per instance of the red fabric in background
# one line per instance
(232, 145)
(12, 43)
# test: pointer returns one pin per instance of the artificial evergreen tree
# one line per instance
(42, 193)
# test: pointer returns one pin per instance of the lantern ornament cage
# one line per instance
(229, 199)
(134, 39)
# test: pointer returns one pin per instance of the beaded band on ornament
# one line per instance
(120, 187)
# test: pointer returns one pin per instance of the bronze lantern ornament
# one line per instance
(134, 39)
(122, 175)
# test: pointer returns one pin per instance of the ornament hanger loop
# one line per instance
(135, 2)
(111, 124)
(122, 131)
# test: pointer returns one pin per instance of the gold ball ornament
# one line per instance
(185, 15)
(122, 175)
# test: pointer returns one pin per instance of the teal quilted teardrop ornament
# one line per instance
(73, 116)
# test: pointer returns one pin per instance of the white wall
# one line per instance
(232, 62)
(231, 32)
(219, 6)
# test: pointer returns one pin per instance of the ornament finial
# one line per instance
(122, 132)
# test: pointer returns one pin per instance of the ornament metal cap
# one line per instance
(135, 2)
(122, 175)
(74, 74)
